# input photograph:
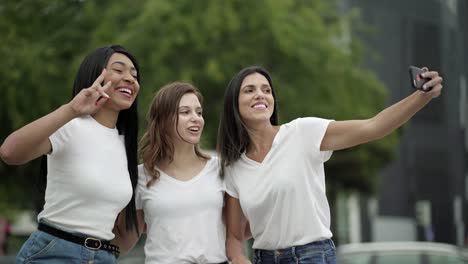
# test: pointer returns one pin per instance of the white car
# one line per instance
(401, 253)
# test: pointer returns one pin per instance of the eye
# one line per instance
(199, 113)
(118, 70)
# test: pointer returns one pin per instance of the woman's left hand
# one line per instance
(435, 83)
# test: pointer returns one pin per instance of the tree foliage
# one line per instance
(316, 70)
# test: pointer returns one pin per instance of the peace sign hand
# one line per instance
(90, 100)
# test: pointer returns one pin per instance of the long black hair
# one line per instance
(127, 122)
(233, 138)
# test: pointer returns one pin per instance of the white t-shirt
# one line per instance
(284, 196)
(88, 182)
(184, 218)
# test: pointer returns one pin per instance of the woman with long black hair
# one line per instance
(274, 174)
(91, 148)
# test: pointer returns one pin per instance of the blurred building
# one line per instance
(423, 194)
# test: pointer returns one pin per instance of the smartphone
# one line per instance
(417, 81)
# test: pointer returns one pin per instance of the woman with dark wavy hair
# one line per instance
(91, 148)
(274, 174)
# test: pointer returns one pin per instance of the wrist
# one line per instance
(238, 258)
(70, 112)
(424, 94)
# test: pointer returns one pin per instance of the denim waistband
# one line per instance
(46, 222)
(316, 245)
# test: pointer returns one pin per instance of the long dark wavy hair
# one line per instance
(156, 144)
(127, 122)
(233, 138)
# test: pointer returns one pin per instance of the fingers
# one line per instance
(98, 93)
(101, 89)
(100, 78)
(436, 91)
(102, 94)
(98, 87)
(432, 83)
(435, 79)
(429, 74)
(106, 86)
(87, 92)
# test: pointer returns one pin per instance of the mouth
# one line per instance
(259, 106)
(126, 91)
(194, 129)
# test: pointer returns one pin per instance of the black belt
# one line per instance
(88, 242)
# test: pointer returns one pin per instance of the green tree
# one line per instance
(35, 77)
(315, 72)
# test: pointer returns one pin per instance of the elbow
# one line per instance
(379, 134)
(7, 155)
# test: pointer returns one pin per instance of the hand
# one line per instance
(90, 100)
(435, 83)
(240, 260)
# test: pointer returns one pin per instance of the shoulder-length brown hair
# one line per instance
(156, 144)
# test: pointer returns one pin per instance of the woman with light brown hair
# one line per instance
(179, 193)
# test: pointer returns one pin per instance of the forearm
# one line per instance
(396, 115)
(28, 142)
(125, 240)
(235, 249)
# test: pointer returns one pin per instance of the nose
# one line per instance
(195, 117)
(259, 94)
(128, 77)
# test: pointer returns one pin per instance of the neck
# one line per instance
(106, 117)
(184, 156)
(261, 136)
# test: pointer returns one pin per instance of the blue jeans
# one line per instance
(318, 252)
(44, 248)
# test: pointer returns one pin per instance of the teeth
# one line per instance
(260, 106)
(125, 90)
(194, 129)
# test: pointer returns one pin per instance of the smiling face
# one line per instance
(125, 87)
(190, 122)
(256, 102)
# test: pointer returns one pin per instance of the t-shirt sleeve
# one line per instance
(231, 187)
(59, 139)
(312, 130)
